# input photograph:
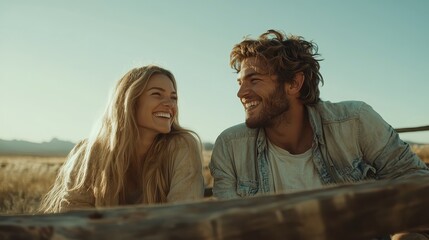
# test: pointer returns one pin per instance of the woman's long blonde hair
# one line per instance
(99, 164)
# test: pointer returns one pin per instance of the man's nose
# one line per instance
(243, 91)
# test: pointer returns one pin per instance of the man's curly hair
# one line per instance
(284, 56)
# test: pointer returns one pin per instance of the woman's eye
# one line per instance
(156, 94)
(174, 98)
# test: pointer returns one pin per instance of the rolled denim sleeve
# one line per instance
(383, 148)
(187, 182)
(222, 169)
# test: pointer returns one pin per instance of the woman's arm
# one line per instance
(77, 199)
(187, 182)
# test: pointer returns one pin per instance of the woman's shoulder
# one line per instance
(185, 142)
(187, 149)
(186, 137)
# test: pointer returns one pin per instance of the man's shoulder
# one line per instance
(338, 111)
(237, 132)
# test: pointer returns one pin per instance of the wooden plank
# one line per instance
(355, 211)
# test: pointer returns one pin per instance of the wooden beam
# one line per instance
(412, 129)
(355, 211)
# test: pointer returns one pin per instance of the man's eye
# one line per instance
(174, 98)
(255, 80)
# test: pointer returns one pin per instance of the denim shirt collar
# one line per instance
(316, 124)
(320, 159)
(261, 140)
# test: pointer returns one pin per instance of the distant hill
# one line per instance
(55, 147)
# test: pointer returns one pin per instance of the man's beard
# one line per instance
(275, 105)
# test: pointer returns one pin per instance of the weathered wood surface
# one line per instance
(358, 211)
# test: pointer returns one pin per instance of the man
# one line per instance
(292, 140)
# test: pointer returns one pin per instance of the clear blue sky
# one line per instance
(59, 60)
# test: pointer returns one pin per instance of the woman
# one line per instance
(140, 154)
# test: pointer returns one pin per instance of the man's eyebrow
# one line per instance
(160, 89)
(248, 75)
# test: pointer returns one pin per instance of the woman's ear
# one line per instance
(294, 88)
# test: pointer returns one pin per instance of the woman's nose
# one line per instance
(169, 102)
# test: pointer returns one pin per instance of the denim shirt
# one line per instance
(351, 143)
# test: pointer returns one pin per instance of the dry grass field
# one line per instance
(24, 180)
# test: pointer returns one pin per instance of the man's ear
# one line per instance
(294, 87)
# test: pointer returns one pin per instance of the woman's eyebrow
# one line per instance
(160, 89)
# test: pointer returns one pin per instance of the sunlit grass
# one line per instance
(422, 151)
(24, 180)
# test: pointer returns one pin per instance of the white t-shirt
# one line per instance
(292, 173)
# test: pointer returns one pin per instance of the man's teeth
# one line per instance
(251, 104)
(163, 115)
